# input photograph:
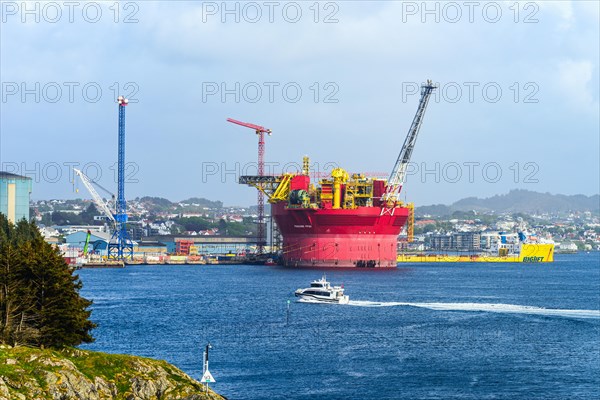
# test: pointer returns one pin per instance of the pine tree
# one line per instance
(11, 312)
(64, 315)
(39, 296)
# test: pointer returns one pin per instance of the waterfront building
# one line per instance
(15, 193)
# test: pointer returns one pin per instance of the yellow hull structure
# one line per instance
(530, 253)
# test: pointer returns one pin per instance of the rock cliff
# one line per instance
(29, 373)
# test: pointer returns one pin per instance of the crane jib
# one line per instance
(100, 204)
(398, 175)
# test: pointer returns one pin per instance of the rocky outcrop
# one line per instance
(28, 373)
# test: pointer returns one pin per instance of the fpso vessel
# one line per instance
(338, 223)
(344, 220)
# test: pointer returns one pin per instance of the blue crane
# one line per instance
(120, 246)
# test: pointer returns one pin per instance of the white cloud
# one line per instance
(575, 81)
(369, 53)
(589, 10)
(563, 9)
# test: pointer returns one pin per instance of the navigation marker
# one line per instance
(207, 378)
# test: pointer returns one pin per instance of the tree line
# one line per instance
(247, 227)
(40, 303)
(86, 217)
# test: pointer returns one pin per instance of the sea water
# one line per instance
(466, 331)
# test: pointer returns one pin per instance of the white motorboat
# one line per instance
(321, 291)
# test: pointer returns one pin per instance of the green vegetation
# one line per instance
(27, 373)
(195, 223)
(194, 204)
(202, 202)
(156, 204)
(86, 217)
(425, 229)
(229, 228)
(517, 201)
(39, 297)
(40, 306)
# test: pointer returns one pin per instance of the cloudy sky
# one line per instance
(517, 104)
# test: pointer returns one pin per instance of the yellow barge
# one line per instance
(530, 253)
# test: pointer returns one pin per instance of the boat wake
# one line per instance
(486, 307)
(315, 301)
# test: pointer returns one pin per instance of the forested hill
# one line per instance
(518, 201)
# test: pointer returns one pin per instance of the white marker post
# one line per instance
(206, 375)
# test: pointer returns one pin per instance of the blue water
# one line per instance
(373, 348)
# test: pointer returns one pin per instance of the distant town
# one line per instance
(198, 231)
(162, 227)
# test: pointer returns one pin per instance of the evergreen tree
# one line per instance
(14, 318)
(87, 215)
(39, 296)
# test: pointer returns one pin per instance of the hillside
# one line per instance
(158, 204)
(28, 373)
(518, 201)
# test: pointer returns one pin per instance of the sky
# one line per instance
(517, 104)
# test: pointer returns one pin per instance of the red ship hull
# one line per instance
(359, 237)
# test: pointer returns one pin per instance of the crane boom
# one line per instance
(257, 128)
(398, 175)
(100, 204)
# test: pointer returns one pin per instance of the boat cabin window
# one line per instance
(314, 284)
(317, 293)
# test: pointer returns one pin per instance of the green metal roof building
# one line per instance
(15, 192)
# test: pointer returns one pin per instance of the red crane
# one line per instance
(260, 131)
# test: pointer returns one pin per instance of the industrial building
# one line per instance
(179, 244)
(149, 249)
(15, 192)
(461, 241)
(98, 241)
